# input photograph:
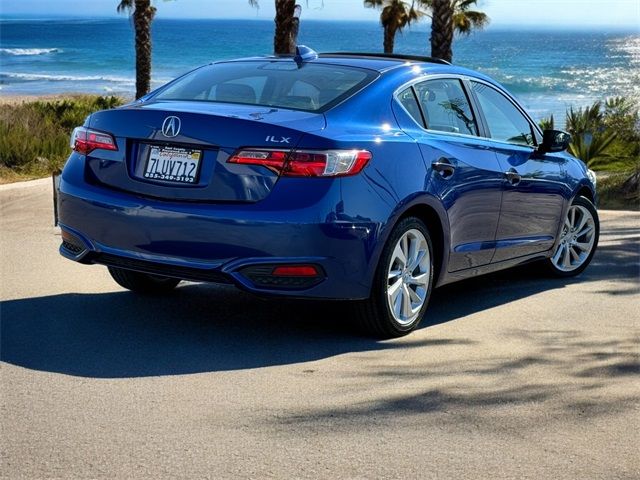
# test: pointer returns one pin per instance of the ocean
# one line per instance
(548, 70)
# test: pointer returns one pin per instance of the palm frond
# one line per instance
(396, 14)
(582, 120)
(125, 5)
(592, 149)
(547, 123)
(465, 21)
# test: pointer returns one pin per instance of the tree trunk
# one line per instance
(284, 41)
(142, 18)
(442, 30)
(389, 39)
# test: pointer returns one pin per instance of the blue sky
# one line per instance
(540, 13)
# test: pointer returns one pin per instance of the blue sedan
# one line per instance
(364, 177)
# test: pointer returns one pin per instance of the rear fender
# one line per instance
(413, 203)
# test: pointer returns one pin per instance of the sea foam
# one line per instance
(29, 51)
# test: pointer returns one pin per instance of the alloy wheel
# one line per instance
(408, 276)
(576, 240)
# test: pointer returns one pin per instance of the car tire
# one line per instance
(578, 240)
(401, 288)
(143, 282)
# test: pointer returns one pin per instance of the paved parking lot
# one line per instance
(512, 375)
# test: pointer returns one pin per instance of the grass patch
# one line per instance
(34, 136)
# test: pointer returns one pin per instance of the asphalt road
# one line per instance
(511, 376)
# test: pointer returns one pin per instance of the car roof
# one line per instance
(379, 62)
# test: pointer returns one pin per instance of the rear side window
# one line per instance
(408, 100)
(312, 87)
(446, 107)
(506, 123)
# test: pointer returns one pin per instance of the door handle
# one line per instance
(444, 167)
(513, 177)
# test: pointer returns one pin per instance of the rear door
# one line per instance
(533, 184)
(465, 173)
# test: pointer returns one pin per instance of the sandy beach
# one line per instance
(10, 99)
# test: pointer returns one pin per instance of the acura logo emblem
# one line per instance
(171, 126)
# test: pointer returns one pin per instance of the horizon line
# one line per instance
(26, 17)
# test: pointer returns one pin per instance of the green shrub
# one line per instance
(619, 191)
(606, 136)
(34, 136)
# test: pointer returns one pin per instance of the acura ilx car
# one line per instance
(365, 177)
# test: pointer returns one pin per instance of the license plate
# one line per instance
(173, 164)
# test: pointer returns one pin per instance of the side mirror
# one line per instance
(554, 141)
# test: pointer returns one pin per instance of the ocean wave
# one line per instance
(67, 78)
(29, 51)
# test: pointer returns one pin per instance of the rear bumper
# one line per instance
(218, 243)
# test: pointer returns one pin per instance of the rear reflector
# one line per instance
(295, 271)
(85, 141)
(305, 163)
(71, 244)
(284, 277)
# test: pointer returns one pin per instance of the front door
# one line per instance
(532, 200)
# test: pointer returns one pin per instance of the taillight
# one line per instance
(305, 163)
(85, 141)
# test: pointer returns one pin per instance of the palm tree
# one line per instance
(287, 23)
(395, 15)
(143, 13)
(449, 16)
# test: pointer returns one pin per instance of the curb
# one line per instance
(27, 184)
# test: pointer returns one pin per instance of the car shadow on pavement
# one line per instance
(203, 328)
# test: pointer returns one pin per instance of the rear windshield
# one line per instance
(312, 87)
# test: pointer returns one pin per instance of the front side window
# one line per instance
(506, 123)
(446, 107)
(278, 84)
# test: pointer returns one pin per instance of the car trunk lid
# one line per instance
(179, 150)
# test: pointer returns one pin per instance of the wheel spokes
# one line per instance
(585, 247)
(556, 257)
(566, 258)
(399, 256)
(420, 279)
(588, 229)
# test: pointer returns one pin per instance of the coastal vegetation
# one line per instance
(34, 136)
(604, 135)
